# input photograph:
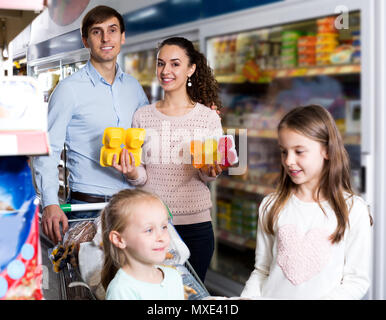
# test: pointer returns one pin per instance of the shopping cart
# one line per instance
(72, 286)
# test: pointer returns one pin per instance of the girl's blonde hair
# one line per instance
(114, 217)
(316, 123)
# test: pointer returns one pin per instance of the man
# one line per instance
(98, 96)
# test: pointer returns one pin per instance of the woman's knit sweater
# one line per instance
(166, 168)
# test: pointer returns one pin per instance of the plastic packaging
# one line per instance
(67, 252)
(193, 289)
(20, 256)
(113, 140)
(220, 150)
(80, 232)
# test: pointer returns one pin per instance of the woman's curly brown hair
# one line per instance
(204, 87)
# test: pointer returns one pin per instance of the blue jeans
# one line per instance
(199, 238)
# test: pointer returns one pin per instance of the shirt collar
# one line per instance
(95, 76)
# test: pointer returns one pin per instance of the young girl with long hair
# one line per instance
(171, 123)
(314, 233)
(135, 242)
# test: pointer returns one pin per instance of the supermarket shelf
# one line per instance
(255, 133)
(233, 78)
(235, 239)
(295, 72)
(23, 143)
(244, 186)
(353, 139)
(316, 71)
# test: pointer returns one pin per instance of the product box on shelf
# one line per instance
(326, 40)
(20, 256)
(289, 50)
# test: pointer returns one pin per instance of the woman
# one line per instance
(171, 123)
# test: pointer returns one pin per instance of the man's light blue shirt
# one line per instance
(79, 110)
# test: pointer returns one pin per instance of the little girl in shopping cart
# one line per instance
(135, 240)
(314, 233)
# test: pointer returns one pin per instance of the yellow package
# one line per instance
(117, 139)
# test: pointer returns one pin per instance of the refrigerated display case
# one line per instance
(267, 63)
(141, 65)
(264, 73)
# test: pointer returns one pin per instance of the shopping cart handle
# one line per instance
(66, 207)
(70, 207)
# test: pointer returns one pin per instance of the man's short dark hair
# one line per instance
(100, 14)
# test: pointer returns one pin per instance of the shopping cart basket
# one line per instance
(74, 287)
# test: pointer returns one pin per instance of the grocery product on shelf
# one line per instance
(342, 54)
(224, 209)
(141, 65)
(249, 223)
(245, 50)
(326, 25)
(229, 60)
(307, 51)
(238, 216)
(254, 52)
(251, 71)
(326, 40)
(225, 55)
(356, 56)
(289, 52)
(274, 58)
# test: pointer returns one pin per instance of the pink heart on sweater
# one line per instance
(301, 257)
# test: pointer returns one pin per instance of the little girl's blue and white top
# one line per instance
(300, 262)
(125, 287)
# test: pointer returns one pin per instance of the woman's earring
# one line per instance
(189, 82)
